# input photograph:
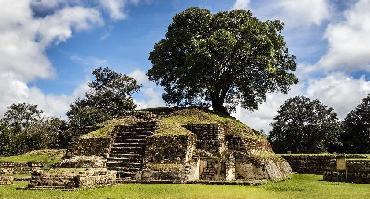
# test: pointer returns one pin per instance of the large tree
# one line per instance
(224, 59)
(109, 96)
(305, 126)
(356, 126)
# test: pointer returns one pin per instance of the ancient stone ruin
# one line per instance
(76, 172)
(183, 146)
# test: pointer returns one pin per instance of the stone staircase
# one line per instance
(127, 152)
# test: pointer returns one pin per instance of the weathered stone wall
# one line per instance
(358, 171)
(22, 168)
(166, 158)
(6, 180)
(312, 164)
(83, 162)
(209, 137)
(210, 156)
(166, 149)
(84, 179)
(90, 146)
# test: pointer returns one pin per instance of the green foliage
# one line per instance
(300, 186)
(356, 126)
(224, 59)
(20, 116)
(109, 97)
(42, 156)
(305, 126)
(23, 129)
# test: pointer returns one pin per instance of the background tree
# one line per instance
(20, 115)
(109, 96)
(356, 126)
(305, 126)
(226, 59)
(23, 128)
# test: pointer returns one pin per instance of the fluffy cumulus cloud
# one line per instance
(349, 40)
(241, 4)
(27, 29)
(294, 13)
(339, 91)
(151, 94)
(303, 12)
(336, 90)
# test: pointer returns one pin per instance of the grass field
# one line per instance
(300, 186)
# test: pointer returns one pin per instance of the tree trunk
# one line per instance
(218, 106)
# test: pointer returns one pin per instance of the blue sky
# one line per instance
(49, 48)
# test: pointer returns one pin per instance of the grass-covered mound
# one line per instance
(174, 123)
(105, 129)
(39, 156)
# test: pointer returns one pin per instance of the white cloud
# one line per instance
(241, 4)
(304, 12)
(349, 40)
(59, 26)
(261, 118)
(14, 90)
(336, 90)
(116, 8)
(339, 91)
(151, 94)
(294, 13)
(24, 41)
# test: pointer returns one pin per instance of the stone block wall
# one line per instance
(166, 149)
(6, 180)
(209, 137)
(90, 146)
(84, 179)
(311, 163)
(22, 168)
(357, 171)
(83, 162)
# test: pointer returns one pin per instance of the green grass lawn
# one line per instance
(41, 156)
(300, 186)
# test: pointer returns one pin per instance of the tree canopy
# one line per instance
(305, 126)
(23, 128)
(223, 59)
(356, 126)
(109, 96)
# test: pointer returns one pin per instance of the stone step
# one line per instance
(122, 150)
(123, 133)
(128, 144)
(126, 158)
(119, 153)
(124, 155)
(126, 169)
(125, 163)
(131, 140)
(128, 137)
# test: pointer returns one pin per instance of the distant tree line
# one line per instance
(307, 126)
